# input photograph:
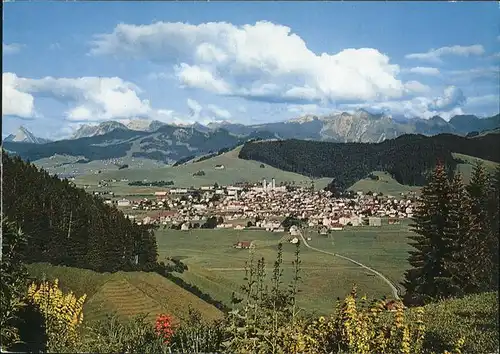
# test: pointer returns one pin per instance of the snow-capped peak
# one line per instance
(23, 135)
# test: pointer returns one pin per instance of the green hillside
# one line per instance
(126, 293)
(385, 184)
(235, 170)
(474, 317)
(466, 165)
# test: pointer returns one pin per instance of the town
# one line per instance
(263, 206)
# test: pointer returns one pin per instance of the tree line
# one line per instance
(408, 158)
(67, 226)
(456, 237)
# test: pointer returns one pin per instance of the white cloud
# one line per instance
(492, 72)
(451, 98)
(485, 100)
(88, 98)
(11, 48)
(422, 70)
(205, 115)
(448, 104)
(244, 61)
(219, 112)
(416, 87)
(194, 108)
(434, 55)
(15, 102)
(196, 77)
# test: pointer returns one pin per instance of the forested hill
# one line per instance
(408, 158)
(64, 225)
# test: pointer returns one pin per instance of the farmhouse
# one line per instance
(244, 244)
(123, 203)
(219, 167)
(336, 227)
(374, 221)
(294, 230)
(160, 194)
(393, 221)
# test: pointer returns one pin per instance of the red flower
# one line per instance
(163, 327)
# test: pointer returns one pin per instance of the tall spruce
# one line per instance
(428, 279)
(493, 217)
(479, 255)
(457, 234)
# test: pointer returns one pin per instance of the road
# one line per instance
(381, 276)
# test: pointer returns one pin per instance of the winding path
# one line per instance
(381, 276)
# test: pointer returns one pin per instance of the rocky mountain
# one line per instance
(167, 144)
(23, 135)
(86, 130)
(359, 126)
(145, 125)
(362, 126)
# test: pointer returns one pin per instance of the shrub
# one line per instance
(62, 314)
(163, 327)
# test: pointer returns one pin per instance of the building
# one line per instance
(336, 227)
(244, 244)
(219, 167)
(374, 221)
(123, 203)
(185, 226)
(294, 230)
(393, 221)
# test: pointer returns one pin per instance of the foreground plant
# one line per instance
(62, 313)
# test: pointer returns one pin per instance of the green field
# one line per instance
(66, 164)
(236, 170)
(125, 293)
(218, 269)
(466, 168)
(385, 184)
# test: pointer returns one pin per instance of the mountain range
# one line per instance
(360, 126)
(169, 143)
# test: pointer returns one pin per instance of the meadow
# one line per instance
(235, 170)
(126, 294)
(218, 269)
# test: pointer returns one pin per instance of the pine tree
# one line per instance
(428, 279)
(457, 234)
(493, 217)
(479, 255)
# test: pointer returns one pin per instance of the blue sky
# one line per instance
(70, 63)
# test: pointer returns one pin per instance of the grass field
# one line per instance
(385, 184)
(126, 293)
(466, 168)
(66, 164)
(236, 170)
(218, 269)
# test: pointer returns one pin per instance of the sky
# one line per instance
(72, 63)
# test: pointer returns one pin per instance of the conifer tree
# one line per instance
(479, 255)
(428, 279)
(457, 234)
(493, 217)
